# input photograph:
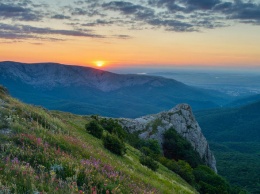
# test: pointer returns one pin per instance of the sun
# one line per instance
(100, 63)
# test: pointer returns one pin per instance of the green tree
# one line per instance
(209, 182)
(113, 127)
(114, 144)
(94, 129)
(178, 148)
(149, 162)
(181, 168)
(185, 171)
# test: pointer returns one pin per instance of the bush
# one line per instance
(209, 182)
(185, 171)
(3, 90)
(114, 144)
(181, 168)
(94, 129)
(150, 147)
(149, 162)
(113, 127)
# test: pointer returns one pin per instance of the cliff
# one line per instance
(182, 120)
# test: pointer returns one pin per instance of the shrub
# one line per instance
(114, 144)
(94, 129)
(95, 117)
(3, 90)
(113, 127)
(181, 167)
(209, 182)
(150, 147)
(185, 171)
(149, 162)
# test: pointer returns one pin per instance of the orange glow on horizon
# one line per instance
(215, 48)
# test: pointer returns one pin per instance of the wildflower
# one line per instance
(94, 190)
(15, 161)
(52, 173)
(39, 141)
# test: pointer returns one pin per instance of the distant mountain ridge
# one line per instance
(85, 90)
(51, 75)
(239, 124)
(244, 101)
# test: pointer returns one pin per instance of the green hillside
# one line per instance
(231, 124)
(234, 137)
(50, 152)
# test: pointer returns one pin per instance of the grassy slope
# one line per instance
(50, 152)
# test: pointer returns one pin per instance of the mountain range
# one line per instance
(85, 90)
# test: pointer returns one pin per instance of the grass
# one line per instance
(50, 152)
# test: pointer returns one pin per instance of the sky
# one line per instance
(131, 33)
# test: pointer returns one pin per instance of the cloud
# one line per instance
(122, 36)
(211, 13)
(185, 5)
(16, 12)
(50, 31)
(29, 32)
(77, 16)
(174, 25)
(60, 17)
(245, 11)
(99, 22)
(127, 8)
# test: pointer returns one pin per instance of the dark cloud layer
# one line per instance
(29, 32)
(16, 12)
(126, 8)
(237, 9)
(80, 15)
(60, 17)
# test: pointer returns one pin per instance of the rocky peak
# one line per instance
(182, 120)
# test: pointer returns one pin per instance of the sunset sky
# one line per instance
(146, 33)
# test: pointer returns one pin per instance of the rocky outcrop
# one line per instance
(182, 120)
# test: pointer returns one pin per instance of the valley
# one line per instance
(234, 135)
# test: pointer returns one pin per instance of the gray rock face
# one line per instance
(182, 120)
